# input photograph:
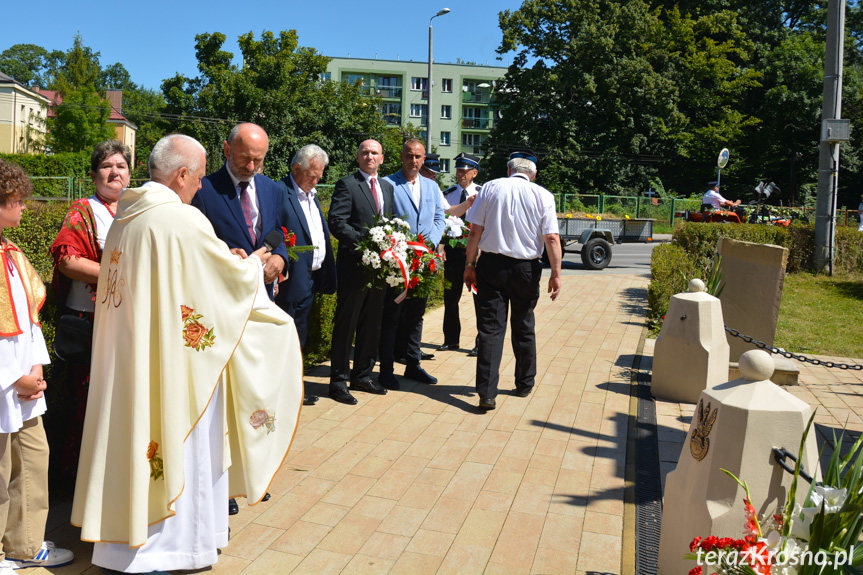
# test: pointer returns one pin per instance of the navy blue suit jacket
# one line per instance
(219, 200)
(301, 279)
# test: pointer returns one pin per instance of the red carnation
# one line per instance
(421, 239)
(414, 282)
(694, 545)
(695, 571)
(432, 266)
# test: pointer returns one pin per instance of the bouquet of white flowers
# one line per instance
(391, 254)
(456, 231)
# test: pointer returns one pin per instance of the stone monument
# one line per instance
(736, 425)
(691, 352)
(753, 276)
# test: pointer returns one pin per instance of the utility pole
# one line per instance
(828, 160)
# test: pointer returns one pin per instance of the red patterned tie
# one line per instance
(246, 203)
(375, 194)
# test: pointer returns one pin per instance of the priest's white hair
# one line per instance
(173, 152)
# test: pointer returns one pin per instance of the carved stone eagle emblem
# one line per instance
(699, 443)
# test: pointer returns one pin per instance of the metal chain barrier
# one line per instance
(789, 355)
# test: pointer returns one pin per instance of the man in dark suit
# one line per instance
(243, 205)
(313, 271)
(356, 200)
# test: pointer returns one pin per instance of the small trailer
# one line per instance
(597, 236)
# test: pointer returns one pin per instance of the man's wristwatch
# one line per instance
(470, 265)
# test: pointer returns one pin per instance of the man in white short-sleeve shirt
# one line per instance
(714, 198)
(512, 220)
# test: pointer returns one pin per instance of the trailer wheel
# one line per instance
(596, 254)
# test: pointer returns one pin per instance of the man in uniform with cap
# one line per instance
(714, 198)
(512, 220)
(457, 201)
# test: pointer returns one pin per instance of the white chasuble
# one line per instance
(175, 312)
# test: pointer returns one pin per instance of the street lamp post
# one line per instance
(429, 84)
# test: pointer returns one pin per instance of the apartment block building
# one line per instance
(462, 99)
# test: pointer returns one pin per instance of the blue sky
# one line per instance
(156, 39)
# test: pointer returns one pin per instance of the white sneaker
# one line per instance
(7, 568)
(48, 556)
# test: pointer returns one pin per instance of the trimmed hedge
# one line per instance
(62, 165)
(692, 253)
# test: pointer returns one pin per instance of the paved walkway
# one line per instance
(418, 481)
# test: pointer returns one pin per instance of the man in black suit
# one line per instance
(356, 200)
(242, 204)
(313, 271)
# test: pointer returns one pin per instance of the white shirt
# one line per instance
(515, 214)
(253, 200)
(80, 296)
(379, 194)
(313, 220)
(713, 198)
(452, 196)
(416, 190)
(18, 355)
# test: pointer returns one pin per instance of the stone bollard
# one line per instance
(691, 351)
(736, 425)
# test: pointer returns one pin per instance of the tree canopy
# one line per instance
(620, 92)
(279, 86)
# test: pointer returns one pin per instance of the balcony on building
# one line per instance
(476, 123)
(480, 96)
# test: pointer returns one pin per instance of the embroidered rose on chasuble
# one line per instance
(261, 417)
(195, 334)
(157, 466)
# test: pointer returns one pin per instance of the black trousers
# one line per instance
(401, 329)
(505, 284)
(358, 311)
(454, 273)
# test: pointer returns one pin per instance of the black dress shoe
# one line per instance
(389, 381)
(401, 359)
(473, 353)
(523, 391)
(426, 356)
(448, 347)
(486, 404)
(368, 386)
(266, 496)
(417, 373)
(342, 396)
(310, 399)
(233, 508)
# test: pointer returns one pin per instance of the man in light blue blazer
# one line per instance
(417, 201)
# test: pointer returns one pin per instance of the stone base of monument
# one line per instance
(786, 372)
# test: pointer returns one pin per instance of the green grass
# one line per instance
(822, 315)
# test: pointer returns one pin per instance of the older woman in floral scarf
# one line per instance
(76, 252)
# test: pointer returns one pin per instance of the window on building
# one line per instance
(418, 84)
(418, 110)
(446, 85)
(326, 77)
(444, 164)
(392, 113)
(355, 79)
(471, 141)
(446, 112)
(444, 138)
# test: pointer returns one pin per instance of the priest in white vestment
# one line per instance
(196, 381)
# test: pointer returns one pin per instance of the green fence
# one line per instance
(665, 209)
